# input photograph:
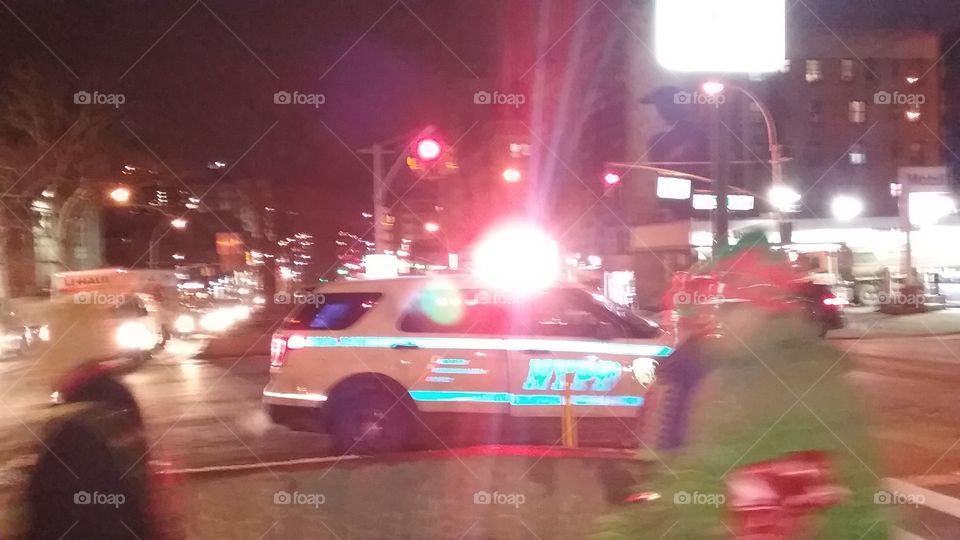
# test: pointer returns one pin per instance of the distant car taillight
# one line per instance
(278, 346)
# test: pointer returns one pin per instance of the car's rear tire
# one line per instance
(371, 422)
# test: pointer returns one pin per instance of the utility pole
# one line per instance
(379, 210)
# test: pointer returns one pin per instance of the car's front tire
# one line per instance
(371, 422)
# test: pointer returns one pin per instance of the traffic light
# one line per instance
(611, 179)
(429, 154)
(428, 149)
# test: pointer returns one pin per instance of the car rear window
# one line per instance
(335, 311)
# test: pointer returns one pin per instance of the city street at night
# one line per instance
(479, 269)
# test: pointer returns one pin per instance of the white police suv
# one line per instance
(366, 360)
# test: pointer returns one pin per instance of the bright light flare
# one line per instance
(185, 324)
(611, 178)
(927, 208)
(135, 336)
(518, 257)
(720, 36)
(178, 223)
(511, 175)
(784, 198)
(428, 149)
(431, 227)
(712, 88)
(846, 207)
(241, 312)
(218, 320)
(120, 194)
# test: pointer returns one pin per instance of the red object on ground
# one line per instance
(771, 500)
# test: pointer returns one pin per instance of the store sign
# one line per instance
(721, 36)
(923, 178)
(671, 187)
(708, 201)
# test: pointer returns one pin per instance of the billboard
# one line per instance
(721, 36)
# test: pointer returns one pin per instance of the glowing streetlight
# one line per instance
(712, 88)
(178, 223)
(846, 207)
(431, 227)
(120, 194)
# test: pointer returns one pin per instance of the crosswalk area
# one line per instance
(926, 507)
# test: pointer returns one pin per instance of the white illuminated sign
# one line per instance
(381, 266)
(708, 201)
(721, 36)
(670, 187)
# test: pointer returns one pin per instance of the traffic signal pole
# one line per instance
(721, 218)
(379, 209)
(383, 179)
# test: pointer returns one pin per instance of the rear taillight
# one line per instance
(278, 346)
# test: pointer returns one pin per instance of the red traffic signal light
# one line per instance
(428, 149)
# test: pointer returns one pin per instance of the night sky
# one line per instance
(201, 89)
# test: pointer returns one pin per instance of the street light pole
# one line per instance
(773, 144)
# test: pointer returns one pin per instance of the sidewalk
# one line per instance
(866, 323)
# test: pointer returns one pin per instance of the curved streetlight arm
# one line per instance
(776, 170)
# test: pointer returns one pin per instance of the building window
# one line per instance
(918, 153)
(846, 70)
(814, 71)
(857, 112)
(786, 66)
(815, 109)
(858, 155)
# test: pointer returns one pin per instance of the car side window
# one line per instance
(335, 311)
(563, 313)
(454, 311)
